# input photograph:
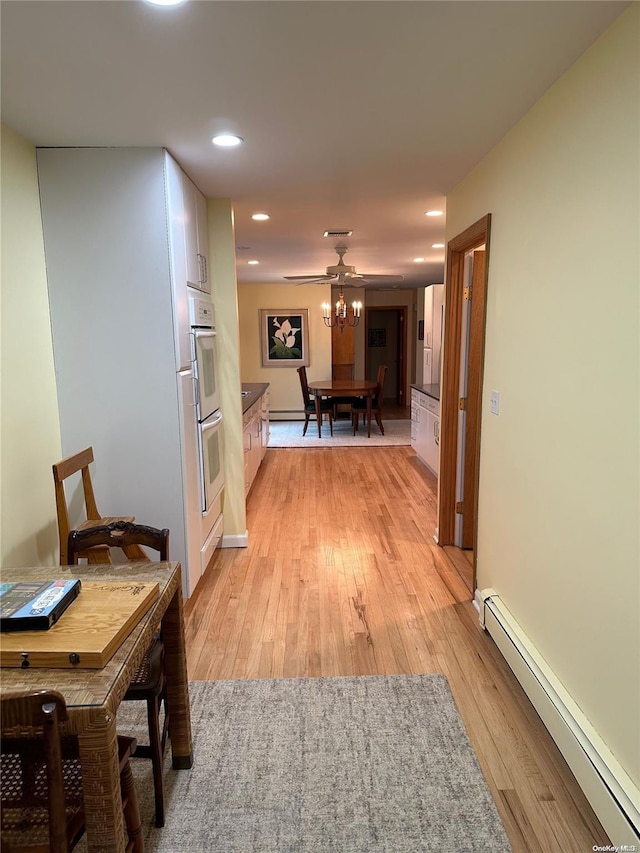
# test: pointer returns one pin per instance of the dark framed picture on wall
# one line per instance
(284, 337)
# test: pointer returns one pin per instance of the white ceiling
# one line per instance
(356, 115)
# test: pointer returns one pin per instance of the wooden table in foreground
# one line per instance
(343, 388)
(93, 695)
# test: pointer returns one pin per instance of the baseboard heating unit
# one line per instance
(612, 794)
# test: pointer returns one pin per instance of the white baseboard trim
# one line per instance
(478, 604)
(238, 540)
(613, 796)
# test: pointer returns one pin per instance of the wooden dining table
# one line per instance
(93, 695)
(343, 388)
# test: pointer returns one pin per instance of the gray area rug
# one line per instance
(289, 434)
(312, 765)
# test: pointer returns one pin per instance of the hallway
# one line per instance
(342, 577)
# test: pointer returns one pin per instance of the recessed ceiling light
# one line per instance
(260, 217)
(433, 213)
(418, 260)
(437, 245)
(227, 140)
(253, 262)
(165, 2)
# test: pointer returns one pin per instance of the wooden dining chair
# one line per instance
(342, 404)
(360, 404)
(64, 469)
(41, 785)
(326, 406)
(149, 682)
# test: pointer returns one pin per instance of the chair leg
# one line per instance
(131, 810)
(379, 422)
(306, 424)
(155, 746)
(330, 421)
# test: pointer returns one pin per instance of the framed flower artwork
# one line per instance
(284, 336)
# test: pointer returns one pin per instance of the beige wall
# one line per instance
(559, 468)
(224, 297)
(284, 390)
(29, 426)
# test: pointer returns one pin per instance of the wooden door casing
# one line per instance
(474, 400)
(476, 235)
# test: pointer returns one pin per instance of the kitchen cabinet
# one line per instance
(433, 325)
(255, 421)
(264, 419)
(196, 236)
(114, 242)
(425, 428)
(252, 435)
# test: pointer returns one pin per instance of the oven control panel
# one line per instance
(201, 313)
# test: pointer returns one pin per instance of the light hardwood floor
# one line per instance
(342, 577)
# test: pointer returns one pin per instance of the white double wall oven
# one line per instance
(207, 401)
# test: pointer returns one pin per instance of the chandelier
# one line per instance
(341, 318)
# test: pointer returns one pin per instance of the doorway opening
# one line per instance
(386, 343)
(463, 366)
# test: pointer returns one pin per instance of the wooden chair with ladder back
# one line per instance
(342, 404)
(360, 403)
(326, 406)
(149, 683)
(41, 785)
(64, 469)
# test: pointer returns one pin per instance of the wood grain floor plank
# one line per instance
(342, 577)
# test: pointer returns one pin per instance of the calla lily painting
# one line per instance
(284, 337)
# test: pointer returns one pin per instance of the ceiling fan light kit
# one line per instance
(342, 273)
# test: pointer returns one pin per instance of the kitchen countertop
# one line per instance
(254, 390)
(432, 390)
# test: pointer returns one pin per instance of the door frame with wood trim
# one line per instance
(476, 235)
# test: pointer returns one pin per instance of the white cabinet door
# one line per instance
(433, 322)
(422, 431)
(202, 240)
(196, 236)
(191, 232)
(432, 439)
(264, 415)
(177, 252)
(428, 316)
(246, 436)
(427, 360)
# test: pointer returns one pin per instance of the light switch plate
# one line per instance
(495, 402)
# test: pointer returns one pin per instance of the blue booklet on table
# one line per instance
(35, 606)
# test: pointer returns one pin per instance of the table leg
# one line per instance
(98, 745)
(175, 663)
(368, 415)
(319, 416)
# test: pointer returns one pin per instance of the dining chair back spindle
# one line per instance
(360, 405)
(326, 406)
(64, 469)
(149, 683)
(41, 788)
(342, 404)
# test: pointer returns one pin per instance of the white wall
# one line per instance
(559, 467)
(29, 426)
(284, 391)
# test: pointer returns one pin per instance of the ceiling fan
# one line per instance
(344, 274)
